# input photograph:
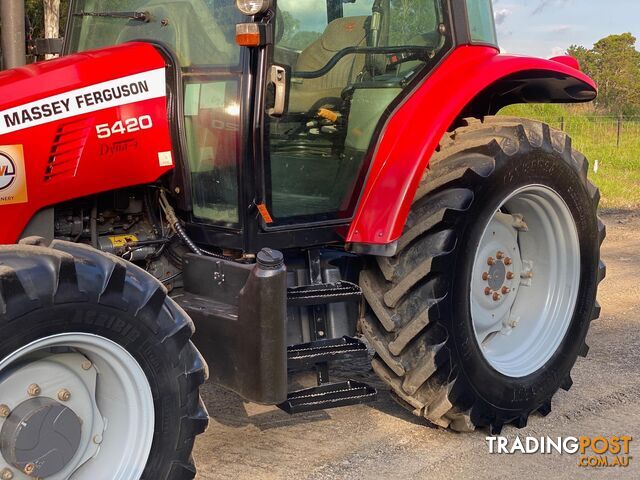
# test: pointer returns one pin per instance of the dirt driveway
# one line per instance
(382, 441)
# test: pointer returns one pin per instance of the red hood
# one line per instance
(26, 84)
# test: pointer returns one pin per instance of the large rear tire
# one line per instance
(96, 365)
(481, 315)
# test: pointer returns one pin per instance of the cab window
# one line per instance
(200, 32)
(350, 60)
(481, 22)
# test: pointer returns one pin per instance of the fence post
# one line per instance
(619, 131)
(562, 123)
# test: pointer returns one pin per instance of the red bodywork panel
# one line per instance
(57, 134)
(413, 132)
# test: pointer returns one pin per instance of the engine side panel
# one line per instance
(80, 125)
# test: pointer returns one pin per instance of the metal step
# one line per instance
(323, 351)
(329, 395)
(323, 294)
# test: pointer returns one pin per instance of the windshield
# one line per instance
(200, 32)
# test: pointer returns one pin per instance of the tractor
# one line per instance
(298, 182)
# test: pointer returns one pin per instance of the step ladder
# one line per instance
(320, 353)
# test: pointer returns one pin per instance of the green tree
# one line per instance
(34, 10)
(614, 63)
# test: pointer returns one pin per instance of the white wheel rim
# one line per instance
(522, 304)
(118, 439)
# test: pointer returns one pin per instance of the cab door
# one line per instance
(350, 63)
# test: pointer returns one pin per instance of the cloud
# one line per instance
(544, 4)
(501, 15)
(558, 51)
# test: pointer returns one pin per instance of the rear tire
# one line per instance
(73, 291)
(423, 317)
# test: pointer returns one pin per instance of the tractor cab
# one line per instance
(286, 129)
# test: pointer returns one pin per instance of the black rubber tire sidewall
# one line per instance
(536, 168)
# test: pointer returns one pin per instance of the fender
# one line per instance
(471, 81)
(80, 125)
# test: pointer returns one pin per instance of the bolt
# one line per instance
(513, 323)
(491, 261)
(496, 296)
(30, 468)
(485, 276)
(86, 365)
(34, 390)
(528, 274)
(97, 439)
(505, 290)
(64, 395)
(6, 474)
(5, 411)
(500, 255)
(487, 291)
(508, 261)
(321, 333)
(510, 275)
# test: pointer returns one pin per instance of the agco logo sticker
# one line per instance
(13, 178)
(7, 171)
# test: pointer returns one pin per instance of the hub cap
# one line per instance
(525, 281)
(74, 406)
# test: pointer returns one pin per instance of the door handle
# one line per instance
(278, 77)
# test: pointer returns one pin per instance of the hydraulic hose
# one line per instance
(177, 227)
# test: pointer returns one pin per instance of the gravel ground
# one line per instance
(382, 441)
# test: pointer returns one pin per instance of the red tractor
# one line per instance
(181, 152)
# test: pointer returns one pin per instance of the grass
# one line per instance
(596, 136)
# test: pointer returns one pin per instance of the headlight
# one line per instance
(253, 7)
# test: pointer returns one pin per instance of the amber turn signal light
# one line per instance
(248, 35)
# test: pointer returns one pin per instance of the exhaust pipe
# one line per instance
(13, 35)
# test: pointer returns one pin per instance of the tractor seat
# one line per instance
(341, 33)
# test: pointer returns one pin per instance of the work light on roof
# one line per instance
(253, 7)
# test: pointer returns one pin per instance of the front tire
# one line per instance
(480, 317)
(94, 341)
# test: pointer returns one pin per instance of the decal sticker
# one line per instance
(264, 212)
(13, 178)
(165, 159)
(119, 241)
(114, 93)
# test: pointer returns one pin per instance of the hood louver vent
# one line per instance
(67, 149)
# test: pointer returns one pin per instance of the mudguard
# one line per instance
(471, 81)
(80, 125)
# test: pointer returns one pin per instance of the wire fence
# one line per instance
(602, 131)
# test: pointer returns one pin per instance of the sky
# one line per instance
(546, 28)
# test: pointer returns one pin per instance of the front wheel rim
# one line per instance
(108, 392)
(525, 281)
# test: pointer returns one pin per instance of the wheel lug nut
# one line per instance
(500, 255)
(86, 365)
(5, 411)
(510, 275)
(30, 468)
(485, 276)
(505, 290)
(496, 296)
(34, 390)
(6, 474)
(508, 261)
(487, 291)
(64, 395)
(491, 261)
